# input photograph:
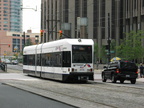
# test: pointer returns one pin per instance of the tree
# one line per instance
(131, 46)
(28, 42)
(100, 53)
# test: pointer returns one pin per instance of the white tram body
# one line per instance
(65, 60)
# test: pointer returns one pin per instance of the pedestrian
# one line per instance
(141, 70)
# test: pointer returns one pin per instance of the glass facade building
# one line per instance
(11, 15)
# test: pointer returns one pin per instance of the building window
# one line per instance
(16, 45)
(5, 25)
(13, 34)
(135, 3)
(66, 10)
(28, 36)
(5, 22)
(5, 29)
(95, 19)
(36, 39)
(18, 35)
(5, 0)
(36, 36)
(5, 15)
(84, 8)
(5, 8)
(5, 18)
(5, 4)
(77, 10)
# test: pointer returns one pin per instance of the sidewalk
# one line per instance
(98, 75)
(1, 71)
(140, 80)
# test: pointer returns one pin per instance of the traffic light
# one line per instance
(60, 33)
(41, 33)
(8, 45)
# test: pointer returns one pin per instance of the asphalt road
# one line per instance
(15, 67)
(15, 98)
(90, 95)
(97, 77)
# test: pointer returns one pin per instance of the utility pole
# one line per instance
(24, 38)
(109, 39)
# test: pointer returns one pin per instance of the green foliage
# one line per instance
(131, 46)
(100, 52)
(28, 42)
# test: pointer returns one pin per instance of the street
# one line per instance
(94, 94)
(71, 53)
(11, 97)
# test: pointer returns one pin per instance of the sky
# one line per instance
(31, 18)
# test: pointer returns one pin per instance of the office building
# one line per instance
(13, 42)
(124, 16)
(11, 15)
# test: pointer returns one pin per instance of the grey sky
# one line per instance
(31, 18)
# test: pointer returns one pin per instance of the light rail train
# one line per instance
(64, 60)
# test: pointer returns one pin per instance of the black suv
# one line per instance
(120, 70)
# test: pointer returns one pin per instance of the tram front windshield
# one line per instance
(82, 54)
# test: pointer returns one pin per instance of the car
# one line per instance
(7, 61)
(120, 70)
(14, 62)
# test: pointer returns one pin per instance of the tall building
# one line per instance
(10, 15)
(99, 20)
(133, 15)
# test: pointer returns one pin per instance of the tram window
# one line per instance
(25, 60)
(47, 60)
(38, 60)
(66, 59)
(57, 59)
(81, 54)
(52, 59)
(43, 59)
(29, 60)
